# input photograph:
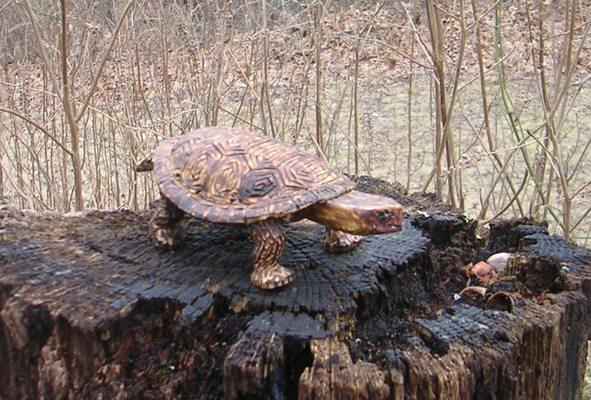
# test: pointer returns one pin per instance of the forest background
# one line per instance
(485, 103)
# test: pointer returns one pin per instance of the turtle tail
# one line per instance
(145, 165)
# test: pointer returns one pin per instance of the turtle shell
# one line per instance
(236, 176)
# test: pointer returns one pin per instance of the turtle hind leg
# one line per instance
(269, 244)
(341, 242)
(166, 227)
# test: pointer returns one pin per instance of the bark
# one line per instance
(90, 308)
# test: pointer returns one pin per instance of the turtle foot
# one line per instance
(168, 237)
(341, 242)
(271, 277)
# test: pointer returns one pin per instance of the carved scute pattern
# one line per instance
(236, 176)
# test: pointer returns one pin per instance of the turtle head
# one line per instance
(359, 213)
(145, 165)
(387, 220)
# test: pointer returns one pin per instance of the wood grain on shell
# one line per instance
(236, 176)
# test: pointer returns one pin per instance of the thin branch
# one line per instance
(40, 42)
(6, 5)
(103, 61)
(36, 125)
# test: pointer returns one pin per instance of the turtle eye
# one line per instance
(384, 215)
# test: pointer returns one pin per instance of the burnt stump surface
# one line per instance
(90, 308)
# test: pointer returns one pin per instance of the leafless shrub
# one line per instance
(486, 103)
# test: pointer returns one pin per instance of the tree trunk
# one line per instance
(89, 308)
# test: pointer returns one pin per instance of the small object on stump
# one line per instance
(498, 262)
(232, 176)
(473, 294)
(89, 309)
(501, 301)
(483, 271)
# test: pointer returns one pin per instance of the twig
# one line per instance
(103, 61)
(36, 125)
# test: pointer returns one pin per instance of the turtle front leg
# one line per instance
(269, 244)
(340, 242)
(166, 226)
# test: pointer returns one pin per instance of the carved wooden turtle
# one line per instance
(239, 177)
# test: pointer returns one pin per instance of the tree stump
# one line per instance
(89, 308)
